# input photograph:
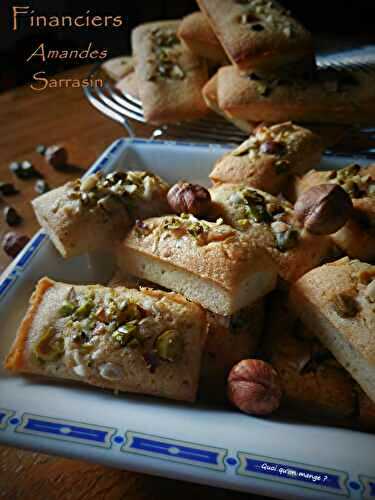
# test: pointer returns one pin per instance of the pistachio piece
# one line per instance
(255, 207)
(126, 333)
(286, 240)
(263, 89)
(169, 345)
(67, 308)
(48, 347)
(345, 305)
(84, 309)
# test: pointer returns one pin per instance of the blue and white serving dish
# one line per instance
(197, 443)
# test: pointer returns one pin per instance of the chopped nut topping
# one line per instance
(167, 50)
(202, 231)
(276, 140)
(286, 240)
(345, 305)
(169, 345)
(107, 193)
(49, 347)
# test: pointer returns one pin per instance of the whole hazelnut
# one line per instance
(323, 209)
(254, 387)
(184, 197)
(272, 148)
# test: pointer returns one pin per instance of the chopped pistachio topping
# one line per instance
(84, 310)
(164, 37)
(108, 192)
(355, 184)
(127, 334)
(49, 347)
(67, 308)
(169, 345)
(276, 140)
(286, 240)
(167, 50)
(202, 231)
(253, 207)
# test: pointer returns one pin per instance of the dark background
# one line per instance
(334, 23)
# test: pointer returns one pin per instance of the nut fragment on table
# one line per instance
(24, 170)
(56, 155)
(12, 217)
(184, 197)
(254, 387)
(324, 209)
(41, 186)
(8, 189)
(13, 243)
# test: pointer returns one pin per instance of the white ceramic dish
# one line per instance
(196, 443)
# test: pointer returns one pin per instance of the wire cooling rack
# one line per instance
(126, 109)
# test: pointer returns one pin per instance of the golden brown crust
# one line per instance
(269, 40)
(166, 98)
(213, 261)
(302, 101)
(198, 35)
(50, 343)
(14, 360)
(209, 93)
(73, 231)
(308, 251)
(82, 218)
(219, 258)
(335, 300)
(300, 150)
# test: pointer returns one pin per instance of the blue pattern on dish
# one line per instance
(4, 417)
(175, 451)
(293, 473)
(67, 430)
(368, 484)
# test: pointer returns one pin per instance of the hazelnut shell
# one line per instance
(194, 199)
(323, 209)
(254, 387)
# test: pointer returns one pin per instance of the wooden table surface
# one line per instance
(56, 116)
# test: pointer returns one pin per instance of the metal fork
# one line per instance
(124, 108)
